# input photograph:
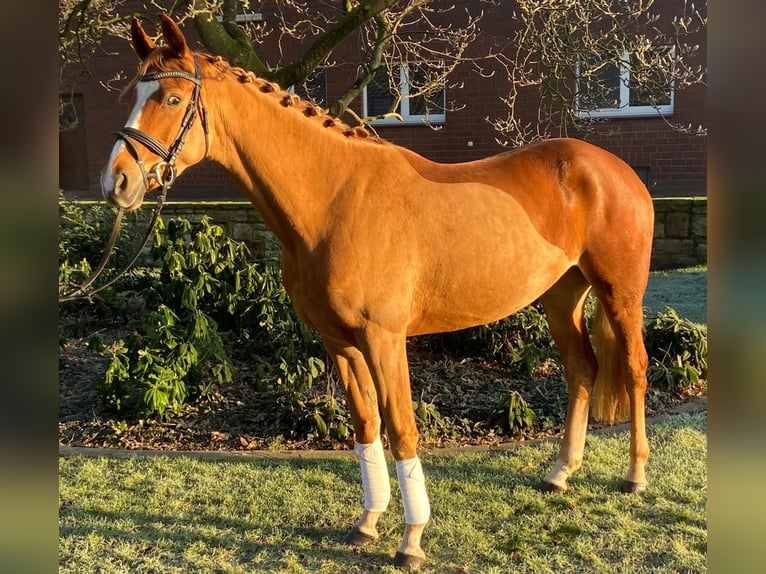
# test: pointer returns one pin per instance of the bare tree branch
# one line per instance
(382, 38)
(554, 45)
(559, 43)
(320, 50)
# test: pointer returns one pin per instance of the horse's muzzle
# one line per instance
(122, 189)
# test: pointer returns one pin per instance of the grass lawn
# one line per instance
(185, 515)
(684, 290)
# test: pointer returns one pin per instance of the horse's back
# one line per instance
(523, 171)
(574, 192)
(496, 233)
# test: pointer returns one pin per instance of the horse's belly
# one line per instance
(482, 275)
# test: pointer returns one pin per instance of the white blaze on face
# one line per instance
(144, 91)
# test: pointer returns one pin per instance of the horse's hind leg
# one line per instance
(620, 386)
(623, 371)
(564, 305)
(363, 407)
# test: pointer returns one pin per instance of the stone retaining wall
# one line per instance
(239, 220)
(680, 230)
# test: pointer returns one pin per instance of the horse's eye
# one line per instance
(173, 100)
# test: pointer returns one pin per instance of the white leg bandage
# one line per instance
(412, 483)
(375, 481)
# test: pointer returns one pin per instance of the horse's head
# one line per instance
(166, 131)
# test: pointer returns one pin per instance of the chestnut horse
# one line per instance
(379, 243)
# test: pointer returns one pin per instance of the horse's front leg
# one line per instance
(386, 357)
(363, 406)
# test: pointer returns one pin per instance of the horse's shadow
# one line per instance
(265, 545)
(311, 544)
(253, 543)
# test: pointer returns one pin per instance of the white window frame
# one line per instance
(625, 110)
(404, 105)
(244, 17)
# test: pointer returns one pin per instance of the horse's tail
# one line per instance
(609, 399)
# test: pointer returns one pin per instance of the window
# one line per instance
(380, 98)
(313, 89)
(642, 171)
(244, 17)
(73, 158)
(610, 91)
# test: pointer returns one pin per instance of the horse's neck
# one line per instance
(289, 166)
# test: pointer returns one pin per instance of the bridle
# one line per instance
(163, 171)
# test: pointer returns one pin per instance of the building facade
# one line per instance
(670, 162)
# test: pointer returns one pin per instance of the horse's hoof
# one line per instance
(552, 487)
(630, 487)
(408, 562)
(355, 537)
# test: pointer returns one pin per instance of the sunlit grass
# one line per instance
(684, 290)
(184, 515)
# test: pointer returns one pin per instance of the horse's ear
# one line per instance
(174, 38)
(142, 43)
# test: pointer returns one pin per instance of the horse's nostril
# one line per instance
(121, 182)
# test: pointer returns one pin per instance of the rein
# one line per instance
(164, 172)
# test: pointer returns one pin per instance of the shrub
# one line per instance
(521, 340)
(432, 424)
(84, 231)
(174, 358)
(201, 268)
(206, 270)
(512, 415)
(677, 351)
(206, 284)
(314, 415)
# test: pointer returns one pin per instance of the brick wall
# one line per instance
(676, 164)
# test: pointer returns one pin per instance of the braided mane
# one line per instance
(287, 99)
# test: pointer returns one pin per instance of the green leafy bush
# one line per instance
(204, 269)
(207, 283)
(677, 351)
(172, 359)
(512, 415)
(432, 424)
(201, 268)
(84, 230)
(522, 341)
(320, 416)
